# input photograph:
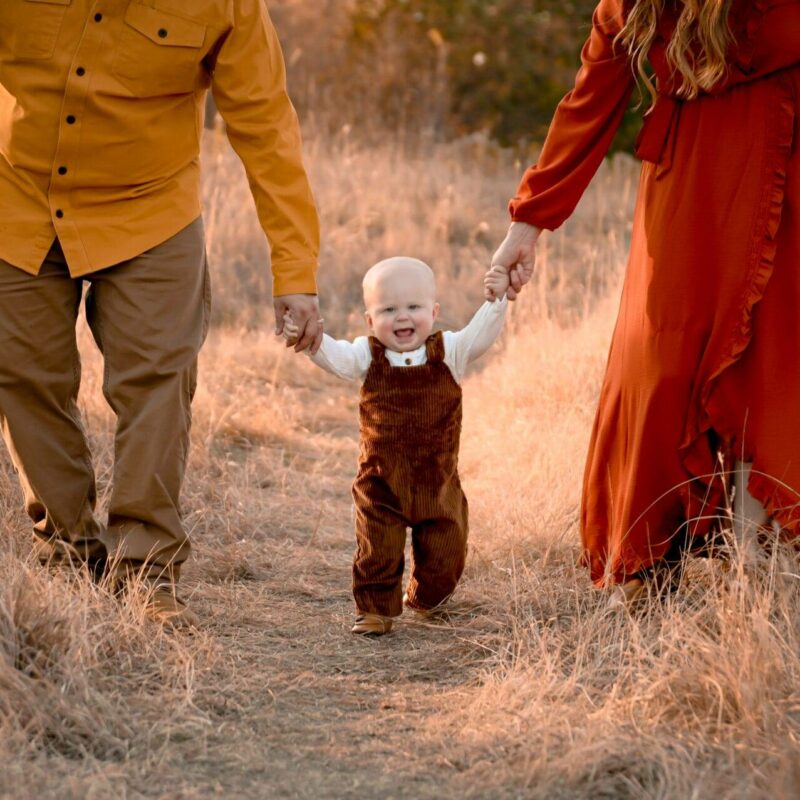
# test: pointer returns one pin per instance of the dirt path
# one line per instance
(273, 697)
(300, 706)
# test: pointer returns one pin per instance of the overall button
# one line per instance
(162, 33)
(70, 119)
(98, 17)
(62, 170)
(80, 72)
(59, 213)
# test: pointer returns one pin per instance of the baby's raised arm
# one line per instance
(472, 341)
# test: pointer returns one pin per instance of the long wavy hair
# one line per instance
(697, 50)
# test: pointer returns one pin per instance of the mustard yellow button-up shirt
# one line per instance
(100, 123)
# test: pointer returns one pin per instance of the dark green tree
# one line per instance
(459, 66)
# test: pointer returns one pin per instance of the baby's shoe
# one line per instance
(427, 613)
(372, 624)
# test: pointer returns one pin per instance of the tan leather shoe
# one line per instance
(164, 606)
(626, 596)
(437, 612)
(372, 624)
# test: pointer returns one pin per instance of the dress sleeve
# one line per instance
(471, 342)
(347, 360)
(583, 126)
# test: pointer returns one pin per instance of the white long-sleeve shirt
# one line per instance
(351, 360)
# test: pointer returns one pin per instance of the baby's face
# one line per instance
(401, 308)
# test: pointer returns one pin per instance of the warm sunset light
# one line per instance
(400, 399)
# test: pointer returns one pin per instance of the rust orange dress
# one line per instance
(704, 365)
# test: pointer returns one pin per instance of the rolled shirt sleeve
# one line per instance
(249, 88)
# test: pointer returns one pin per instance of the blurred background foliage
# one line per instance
(435, 68)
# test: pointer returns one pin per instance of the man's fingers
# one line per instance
(304, 341)
(303, 318)
(312, 331)
(317, 340)
(516, 283)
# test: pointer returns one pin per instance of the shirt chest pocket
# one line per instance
(31, 27)
(158, 53)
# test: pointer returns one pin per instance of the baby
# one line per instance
(410, 426)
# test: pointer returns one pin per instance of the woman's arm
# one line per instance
(582, 129)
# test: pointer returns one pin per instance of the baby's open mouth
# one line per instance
(404, 333)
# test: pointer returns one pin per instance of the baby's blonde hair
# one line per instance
(397, 263)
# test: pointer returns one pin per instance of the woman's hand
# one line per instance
(517, 255)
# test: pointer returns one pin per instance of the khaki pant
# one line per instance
(149, 317)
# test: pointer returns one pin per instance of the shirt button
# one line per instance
(70, 119)
(408, 362)
(80, 71)
(62, 170)
(162, 33)
(98, 17)
(59, 213)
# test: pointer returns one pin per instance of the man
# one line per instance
(100, 108)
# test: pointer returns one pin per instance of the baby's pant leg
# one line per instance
(439, 546)
(380, 545)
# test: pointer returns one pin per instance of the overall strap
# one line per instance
(434, 348)
(377, 350)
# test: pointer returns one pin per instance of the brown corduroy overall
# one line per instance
(410, 425)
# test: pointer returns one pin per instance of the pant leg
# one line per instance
(39, 379)
(380, 545)
(438, 541)
(149, 316)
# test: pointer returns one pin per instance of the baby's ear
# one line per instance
(435, 310)
(368, 318)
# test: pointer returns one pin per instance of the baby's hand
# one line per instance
(495, 283)
(290, 330)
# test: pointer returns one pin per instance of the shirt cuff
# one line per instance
(522, 211)
(294, 277)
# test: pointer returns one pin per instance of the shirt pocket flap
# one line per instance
(164, 28)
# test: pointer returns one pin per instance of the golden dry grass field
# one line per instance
(527, 688)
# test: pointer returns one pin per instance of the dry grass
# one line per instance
(529, 688)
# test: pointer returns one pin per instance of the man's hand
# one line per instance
(517, 255)
(304, 312)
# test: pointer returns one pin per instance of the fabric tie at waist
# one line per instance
(656, 139)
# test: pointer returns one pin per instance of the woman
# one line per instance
(704, 366)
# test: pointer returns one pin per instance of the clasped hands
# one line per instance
(298, 320)
(512, 263)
